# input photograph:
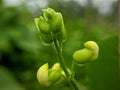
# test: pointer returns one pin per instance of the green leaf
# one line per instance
(7, 81)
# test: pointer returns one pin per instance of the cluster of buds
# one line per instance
(87, 54)
(51, 29)
(53, 76)
(51, 26)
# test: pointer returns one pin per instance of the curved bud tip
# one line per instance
(48, 13)
(93, 46)
(42, 75)
(43, 26)
(89, 53)
(56, 66)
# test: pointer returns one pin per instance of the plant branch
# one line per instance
(72, 82)
(58, 46)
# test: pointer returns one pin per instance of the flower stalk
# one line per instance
(71, 81)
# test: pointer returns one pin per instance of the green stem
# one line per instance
(75, 84)
(60, 56)
(71, 81)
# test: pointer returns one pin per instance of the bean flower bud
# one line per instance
(48, 13)
(44, 26)
(42, 75)
(56, 23)
(53, 76)
(50, 26)
(87, 54)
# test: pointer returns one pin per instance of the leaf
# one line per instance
(104, 73)
(7, 81)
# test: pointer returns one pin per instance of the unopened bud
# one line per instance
(89, 53)
(57, 23)
(43, 26)
(91, 45)
(48, 13)
(42, 75)
(53, 76)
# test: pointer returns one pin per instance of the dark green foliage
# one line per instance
(104, 73)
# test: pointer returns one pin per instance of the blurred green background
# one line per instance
(22, 52)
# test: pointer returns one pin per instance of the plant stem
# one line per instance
(71, 81)
(60, 56)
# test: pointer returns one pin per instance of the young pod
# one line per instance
(89, 53)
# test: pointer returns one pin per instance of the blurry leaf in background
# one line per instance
(7, 80)
(104, 73)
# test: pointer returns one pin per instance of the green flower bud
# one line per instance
(56, 66)
(46, 38)
(91, 45)
(48, 13)
(51, 26)
(82, 56)
(57, 23)
(42, 75)
(89, 53)
(47, 77)
(62, 80)
(54, 76)
(43, 26)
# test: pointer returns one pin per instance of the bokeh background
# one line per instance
(22, 52)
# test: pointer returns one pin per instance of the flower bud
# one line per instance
(89, 53)
(82, 56)
(62, 80)
(51, 26)
(53, 76)
(91, 45)
(56, 66)
(43, 26)
(57, 23)
(42, 75)
(48, 13)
